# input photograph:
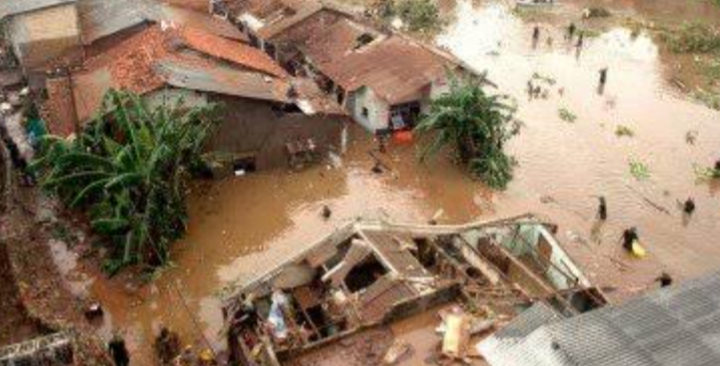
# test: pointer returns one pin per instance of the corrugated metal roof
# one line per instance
(400, 259)
(222, 80)
(380, 298)
(677, 326)
(14, 7)
(396, 69)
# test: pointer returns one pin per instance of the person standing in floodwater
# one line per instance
(603, 76)
(580, 41)
(629, 237)
(571, 31)
(602, 209)
(118, 351)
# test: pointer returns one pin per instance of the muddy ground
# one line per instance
(34, 297)
(242, 226)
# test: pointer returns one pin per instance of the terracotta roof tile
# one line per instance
(133, 65)
(234, 52)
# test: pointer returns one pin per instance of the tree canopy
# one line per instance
(128, 170)
(475, 126)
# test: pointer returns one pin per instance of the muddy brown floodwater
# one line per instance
(243, 226)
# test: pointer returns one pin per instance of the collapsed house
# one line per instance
(260, 104)
(369, 274)
(383, 80)
(677, 325)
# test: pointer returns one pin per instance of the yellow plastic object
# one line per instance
(637, 250)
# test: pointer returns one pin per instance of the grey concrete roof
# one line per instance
(678, 326)
(101, 18)
(14, 7)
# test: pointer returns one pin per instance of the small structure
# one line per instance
(52, 350)
(383, 80)
(40, 30)
(260, 112)
(368, 274)
(671, 326)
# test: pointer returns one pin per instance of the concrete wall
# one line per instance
(251, 127)
(378, 111)
(171, 96)
(43, 35)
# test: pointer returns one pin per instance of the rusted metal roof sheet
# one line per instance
(15, 7)
(395, 68)
(380, 298)
(221, 80)
(670, 327)
(286, 22)
(393, 254)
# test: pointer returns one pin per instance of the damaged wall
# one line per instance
(252, 127)
(41, 36)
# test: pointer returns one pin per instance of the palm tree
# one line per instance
(475, 126)
(129, 168)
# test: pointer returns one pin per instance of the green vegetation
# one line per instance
(639, 170)
(476, 127)
(710, 98)
(566, 115)
(693, 38)
(128, 170)
(418, 15)
(624, 131)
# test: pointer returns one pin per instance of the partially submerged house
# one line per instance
(678, 325)
(383, 80)
(40, 30)
(369, 274)
(259, 103)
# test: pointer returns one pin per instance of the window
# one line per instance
(365, 112)
(363, 40)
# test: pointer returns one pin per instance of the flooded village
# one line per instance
(359, 182)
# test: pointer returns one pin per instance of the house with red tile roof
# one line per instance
(262, 109)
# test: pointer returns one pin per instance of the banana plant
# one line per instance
(129, 168)
(475, 126)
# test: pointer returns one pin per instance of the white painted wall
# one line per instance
(378, 110)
